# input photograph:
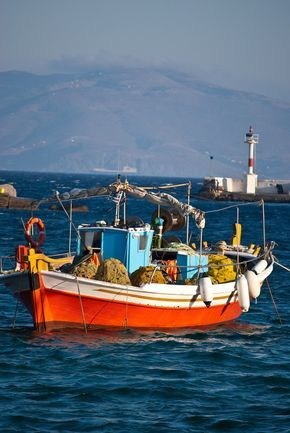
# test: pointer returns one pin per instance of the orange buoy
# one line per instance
(41, 232)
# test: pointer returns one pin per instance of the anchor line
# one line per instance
(282, 266)
(15, 315)
(81, 305)
(273, 301)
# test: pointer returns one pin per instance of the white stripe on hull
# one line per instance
(158, 295)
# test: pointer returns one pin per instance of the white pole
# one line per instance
(70, 228)
(264, 224)
(125, 215)
(187, 216)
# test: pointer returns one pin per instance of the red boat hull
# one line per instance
(51, 309)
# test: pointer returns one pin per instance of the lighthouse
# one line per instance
(251, 177)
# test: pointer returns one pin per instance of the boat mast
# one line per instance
(125, 201)
(117, 200)
(187, 216)
(70, 228)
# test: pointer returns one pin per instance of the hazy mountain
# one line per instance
(161, 121)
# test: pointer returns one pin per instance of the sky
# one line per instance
(239, 44)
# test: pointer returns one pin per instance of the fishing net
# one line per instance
(113, 271)
(221, 269)
(148, 274)
(87, 269)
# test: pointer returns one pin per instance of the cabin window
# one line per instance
(91, 240)
(143, 242)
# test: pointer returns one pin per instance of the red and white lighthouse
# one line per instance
(251, 139)
(251, 178)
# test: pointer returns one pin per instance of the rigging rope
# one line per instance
(257, 203)
(282, 266)
(70, 220)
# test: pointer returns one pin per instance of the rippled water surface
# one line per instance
(233, 377)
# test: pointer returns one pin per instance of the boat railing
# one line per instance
(3, 263)
(39, 261)
(9, 263)
(203, 268)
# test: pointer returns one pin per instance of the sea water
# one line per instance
(233, 377)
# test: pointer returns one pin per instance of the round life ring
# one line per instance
(41, 232)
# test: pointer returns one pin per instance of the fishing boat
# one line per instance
(134, 274)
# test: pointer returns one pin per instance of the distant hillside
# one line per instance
(160, 121)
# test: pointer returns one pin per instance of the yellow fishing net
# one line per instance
(219, 273)
(148, 274)
(87, 269)
(113, 271)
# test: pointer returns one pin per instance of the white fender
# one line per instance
(260, 266)
(253, 284)
(243, 293)
(206, 290)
